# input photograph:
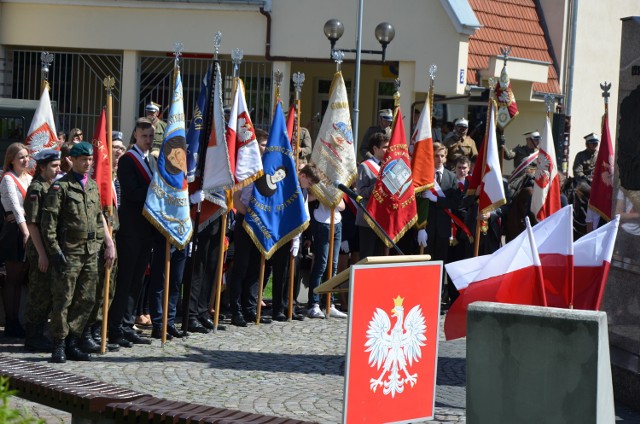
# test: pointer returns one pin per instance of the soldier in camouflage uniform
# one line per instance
(153, 110)
(585, 161)
(71, 218)
(39, 295)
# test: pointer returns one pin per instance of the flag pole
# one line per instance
(177, 51)
(480, 222)
(236, 57)
(429, 107)
(260, 287)
(298, 80)
(109, 82)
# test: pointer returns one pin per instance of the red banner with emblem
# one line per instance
(392, 349)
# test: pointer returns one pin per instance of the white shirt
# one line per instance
(11, 196)
(322, 214)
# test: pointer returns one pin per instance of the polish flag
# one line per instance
(244, 152)
(42, 132)
(554, 238)
(514, 276)
(292, 122)
(592, 259)
(546, 188)
(421, 151)
(492, 195)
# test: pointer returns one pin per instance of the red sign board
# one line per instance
(392, 351)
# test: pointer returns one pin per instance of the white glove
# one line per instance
(344, 246)
(197, 197)
(422, 238)
(295, 246)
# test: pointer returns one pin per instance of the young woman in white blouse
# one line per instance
(14, 236)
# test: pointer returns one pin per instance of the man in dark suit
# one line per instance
(439, 221)
(135, 238)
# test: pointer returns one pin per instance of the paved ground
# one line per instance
(284, 369)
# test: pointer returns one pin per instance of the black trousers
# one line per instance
(204, 270)
(243, 279)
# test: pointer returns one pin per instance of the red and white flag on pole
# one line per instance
(601, 199)
(42, 132)
(546, 188)
(421, 151)
(102, 172)
(492, 195)
(514, 276)
(554, 238)
(244, 152)
(592, 259)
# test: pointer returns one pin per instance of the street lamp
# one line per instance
(384, 32)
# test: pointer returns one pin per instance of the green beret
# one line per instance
(81, 149)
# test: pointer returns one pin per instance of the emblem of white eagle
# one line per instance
(395, 351)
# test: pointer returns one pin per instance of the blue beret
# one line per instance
(47, 155)
(81, 149)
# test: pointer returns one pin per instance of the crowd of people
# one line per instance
(55, 241)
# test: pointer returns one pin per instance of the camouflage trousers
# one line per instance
(97, 312)
(73, 295)
(38, 304)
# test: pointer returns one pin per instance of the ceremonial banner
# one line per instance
(392, 347)
(393, 203)
(554, 238)
(195, 127)
(167, 203)
(333, 150)
(218, 174)
(592, 255)
(244, 152)
(546, 188)
(492, 195)
(512, 274)
(276, 212)
(507, 106)
(102, 172)
(421, 150)
(601, 199)
(42, 131)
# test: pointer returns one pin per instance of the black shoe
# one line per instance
(196, 327)
(253, 318)
(96, 332)
(297, 317)
(120, 341)
(280, 317)
(173, 331)
(156, 333)
(87, 344)
(57, 355)
(112, 347)
(73, 350)
(135, 338)
(207, 323)
(238, 321)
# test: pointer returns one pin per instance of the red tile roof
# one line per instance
(507, 23)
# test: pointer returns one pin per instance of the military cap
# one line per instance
(386, 114)
(152, 107)
(81, 149)
(116, 135)
(462, 123)
(534, 135)
(47, 155)
(592, 138)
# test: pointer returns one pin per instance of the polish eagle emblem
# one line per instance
(395, 349)
(544, 169)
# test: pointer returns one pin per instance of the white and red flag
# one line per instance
(492, 195)
(592, 259)
(601, 199)
(546, 188)
(42, 131)
(554, 238)
(421, 151)
(244, 152)
(512, 274)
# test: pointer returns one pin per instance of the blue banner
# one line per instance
(195, 128)
(167, 203)
(276, 212)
